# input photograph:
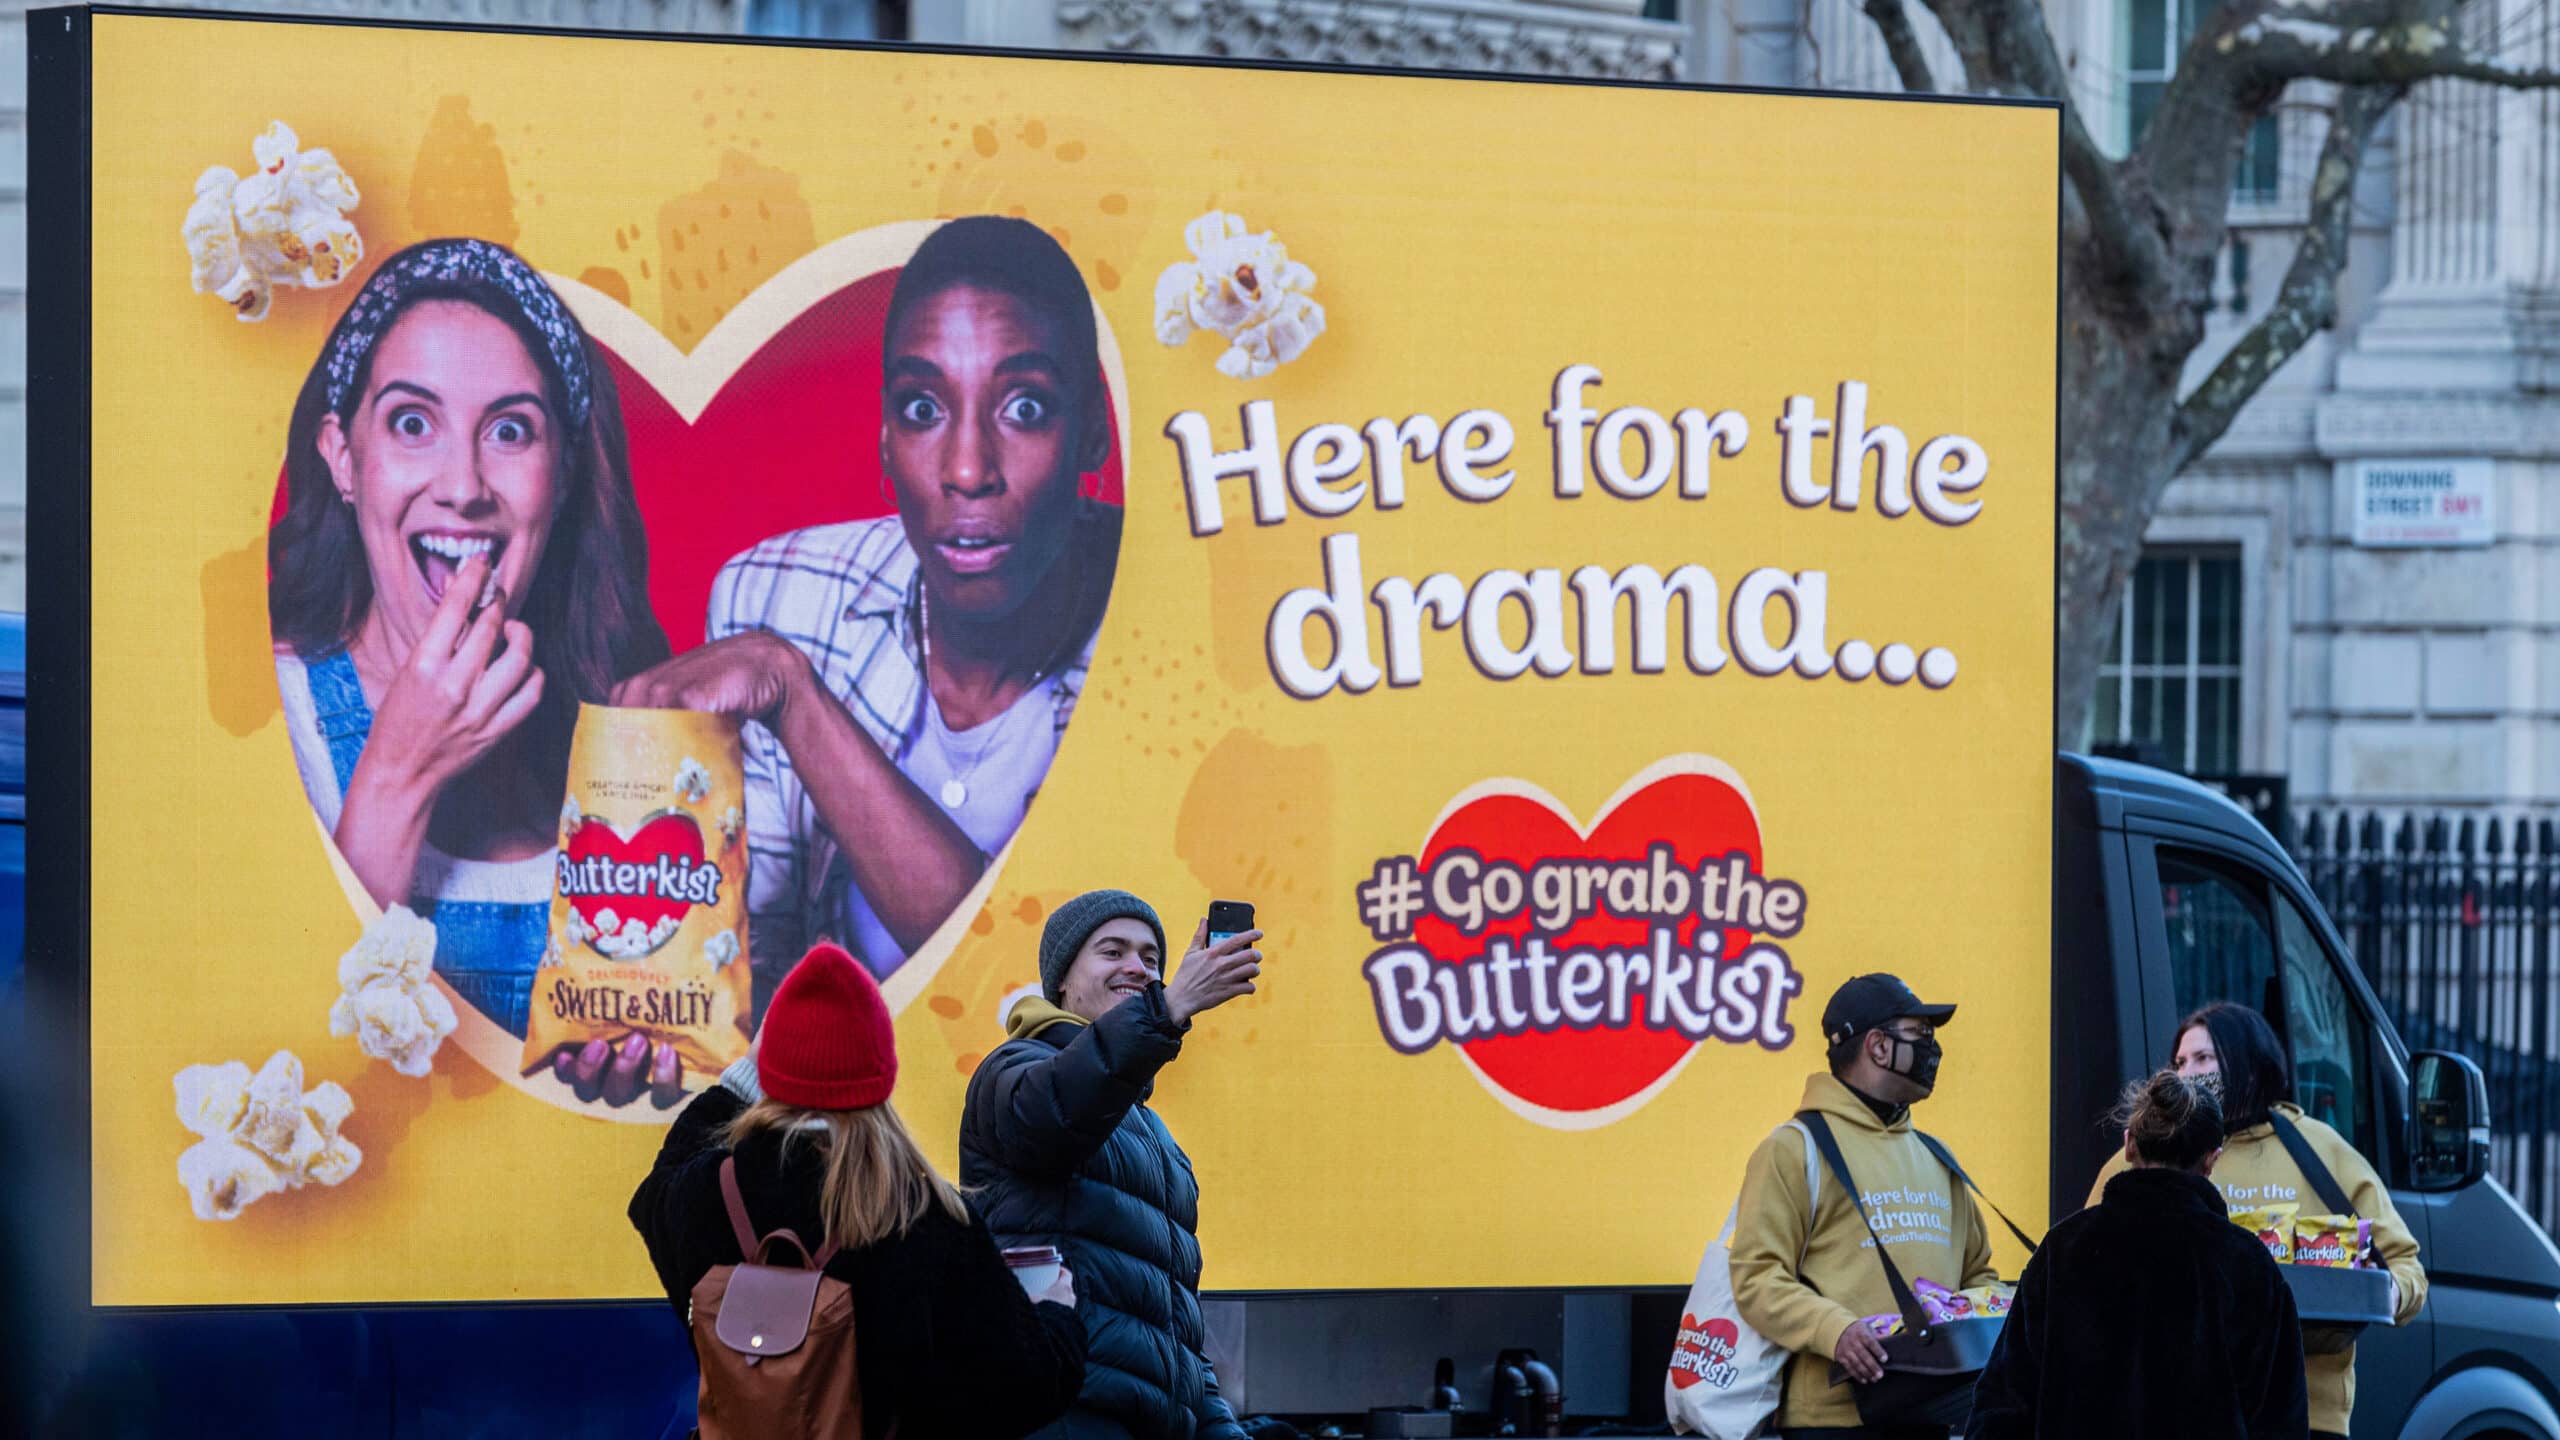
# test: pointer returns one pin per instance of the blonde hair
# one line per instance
(879, 1183)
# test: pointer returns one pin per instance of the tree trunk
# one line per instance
(2115, 410)
(2141, 239)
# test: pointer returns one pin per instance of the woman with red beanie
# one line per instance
(947, 1342)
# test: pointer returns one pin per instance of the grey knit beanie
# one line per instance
(1073, 923)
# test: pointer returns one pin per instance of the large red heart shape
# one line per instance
(1706, 1348)
(1694, 805)
(771, 423)
(791, 438)
(671, 836)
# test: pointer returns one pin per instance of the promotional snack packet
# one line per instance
(648, 909)
(1941, 1305)
(1988, 1301)
(2273, 1225)
(2332, 1242)
(1938, 1302)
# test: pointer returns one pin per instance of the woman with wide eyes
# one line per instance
(459, 564)
(909, 677)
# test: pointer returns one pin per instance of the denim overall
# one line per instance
(486, 950)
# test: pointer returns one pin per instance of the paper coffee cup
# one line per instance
(1036, 1266)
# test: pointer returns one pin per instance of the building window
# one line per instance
(828, 19)
(2154, 32)
(2173, 678)
(2261, 164)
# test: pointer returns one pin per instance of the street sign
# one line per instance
(2410, 503)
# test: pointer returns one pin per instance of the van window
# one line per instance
(2221, 944)
(2232, 937)
(2328, 1035)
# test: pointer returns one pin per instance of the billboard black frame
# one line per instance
(60, 565)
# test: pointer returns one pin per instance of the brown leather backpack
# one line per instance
(775, 1342)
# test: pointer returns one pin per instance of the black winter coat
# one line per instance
(2149, 1314)
(946, 1342)
(1059, 1147)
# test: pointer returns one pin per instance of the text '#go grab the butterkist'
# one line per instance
(1540, 981)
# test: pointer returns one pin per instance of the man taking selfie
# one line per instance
(1804, 1272)
(1061, 1148)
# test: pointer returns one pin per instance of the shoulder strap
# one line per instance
(338, 706)
(1812, 1169)
(750, 1248)
(737, 1206)
(1914, 1318)
(1812, 1187)
(1947, 1158)
(2313, 1168)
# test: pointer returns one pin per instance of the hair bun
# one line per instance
(2171, 1121)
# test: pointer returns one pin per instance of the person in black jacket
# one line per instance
(1061, 1148)
(2150, 1314)
(946, 1342)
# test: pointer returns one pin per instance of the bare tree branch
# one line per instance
(2295, 47)
(2308, 301)
(1894, 24)
(2131, 243)
(2142, 236)
(2008, 50)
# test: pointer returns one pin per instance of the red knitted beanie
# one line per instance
(826, 1042)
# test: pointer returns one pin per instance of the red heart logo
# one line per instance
(1705, 1351)
(1695, 806)
(669, 843)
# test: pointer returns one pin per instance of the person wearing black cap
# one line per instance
(1804, 1273)
(1059, 1147)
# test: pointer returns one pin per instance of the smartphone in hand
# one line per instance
(1229, 918)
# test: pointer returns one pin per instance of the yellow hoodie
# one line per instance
(1922, 1212)
(1035, 1014)
(2256, 1169)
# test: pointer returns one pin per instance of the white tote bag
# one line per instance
(1725, 1380)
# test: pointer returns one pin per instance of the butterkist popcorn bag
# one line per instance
(2273, 1225)
(648, 910)
(2331, 1242)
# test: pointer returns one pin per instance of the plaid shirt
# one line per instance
(845, 595)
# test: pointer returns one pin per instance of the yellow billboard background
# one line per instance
(1472, 240)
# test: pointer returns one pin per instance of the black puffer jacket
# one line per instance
(2147, 1315)
(1059, 1148)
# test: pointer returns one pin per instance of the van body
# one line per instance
(2166, 897)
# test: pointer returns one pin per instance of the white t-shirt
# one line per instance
(992, 770)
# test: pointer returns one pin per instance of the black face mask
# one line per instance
(1916, 1060)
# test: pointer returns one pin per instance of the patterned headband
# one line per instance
(472, 264)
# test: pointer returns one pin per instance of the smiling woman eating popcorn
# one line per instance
(459, 564)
